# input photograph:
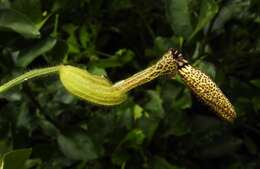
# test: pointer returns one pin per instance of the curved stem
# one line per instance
(166, 65)
(137, 79)
(29, 75)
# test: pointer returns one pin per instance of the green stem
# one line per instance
(166, 65)
(27, 76)
(137, 79)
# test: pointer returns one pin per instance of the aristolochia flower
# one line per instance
(204, 88)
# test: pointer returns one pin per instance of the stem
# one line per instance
(166, 65)
(137, 79)
(29, 75)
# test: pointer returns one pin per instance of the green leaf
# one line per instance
(15, 159)
(27, 56)
(250, 144)
(256, 103)
(97, 70)
(179, 17)
(31, 8)
(125, 115)
(138, 111)
(182, 102)
(232, 10)
(15, 21)
(207, 68)
(162, 44)
(161, 163)
(5, 146)
(120, 4)
(256, 82)
(154, 106)
(149, 126)
(134, 138)
(177, 124)
(48, 128)
(84, 37)
(23, 118)
(208, 10)
(120, 58)
(79, 146)
(57, 54)
(120, 157)
(178, 99)
(88, 36)
(72, 42)
(60, 4)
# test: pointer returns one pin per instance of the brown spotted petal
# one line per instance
(207, 90)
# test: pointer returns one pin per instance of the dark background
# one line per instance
(161, 125)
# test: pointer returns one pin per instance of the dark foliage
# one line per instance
(161, 125)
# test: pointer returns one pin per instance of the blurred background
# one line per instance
(162, 125)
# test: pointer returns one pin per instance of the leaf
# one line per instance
(84, 37)
(31, 8)
(13, 20)
(250, 145)
(154, 106)
(88, 36)
(120, 4)
(97, 70)
(60, 4)
(72, 42)
(183, 101)
(120, 157)
(5, 146)
(256, 82)
(27, 56)
(134, 138)
(224, 147)
(231, 10)
(148, 126)
(23, 118)
(48, 128)
(161, 163)
(177, 99)
(162, 44)
(138, 111)
(177, 124)
(179, 17)
(57, 54)
(120, 58)
(15, 159)
(125, 115)
(256, 103)
(206, 67)
(79, 146)
(208, 10)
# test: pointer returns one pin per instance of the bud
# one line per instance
(205, 88)
(89, 87)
